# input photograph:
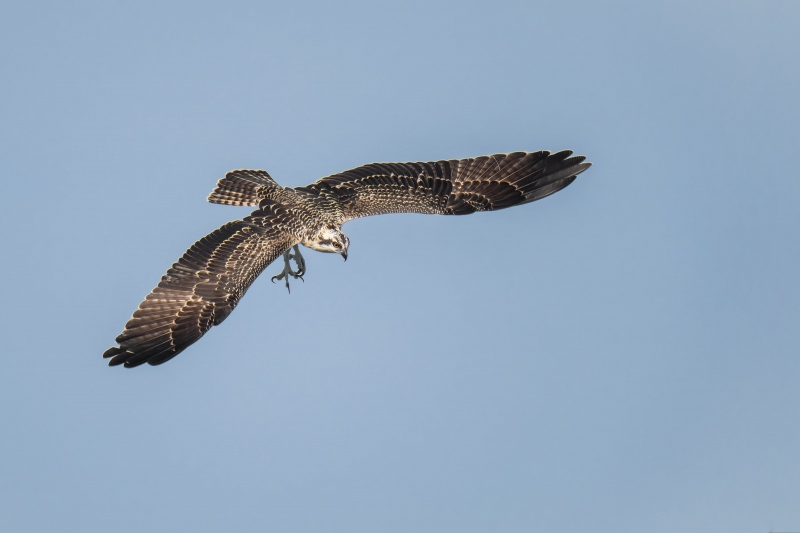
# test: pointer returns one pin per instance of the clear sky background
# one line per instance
(621, 356)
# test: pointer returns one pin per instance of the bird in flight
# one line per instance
(202, 288)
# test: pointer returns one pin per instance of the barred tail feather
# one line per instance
(243, 187)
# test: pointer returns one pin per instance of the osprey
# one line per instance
(202, 288)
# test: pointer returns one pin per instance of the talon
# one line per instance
(287, 267)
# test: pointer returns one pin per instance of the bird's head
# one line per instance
(331, 240)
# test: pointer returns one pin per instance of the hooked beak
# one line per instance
(344, 254)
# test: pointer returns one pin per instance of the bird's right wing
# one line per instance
(454, 187)
(200, 290)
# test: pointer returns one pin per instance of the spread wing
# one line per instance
(454, 187)
(199, 291)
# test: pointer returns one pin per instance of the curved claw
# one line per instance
(299, 272)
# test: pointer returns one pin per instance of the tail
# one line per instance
(243, 187)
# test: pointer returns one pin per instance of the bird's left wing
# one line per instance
(200, 290)
(451, 187)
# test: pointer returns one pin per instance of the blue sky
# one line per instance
(620, 356)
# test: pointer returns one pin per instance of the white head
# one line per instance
(330, 240)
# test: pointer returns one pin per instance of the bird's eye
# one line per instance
(337, 245)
